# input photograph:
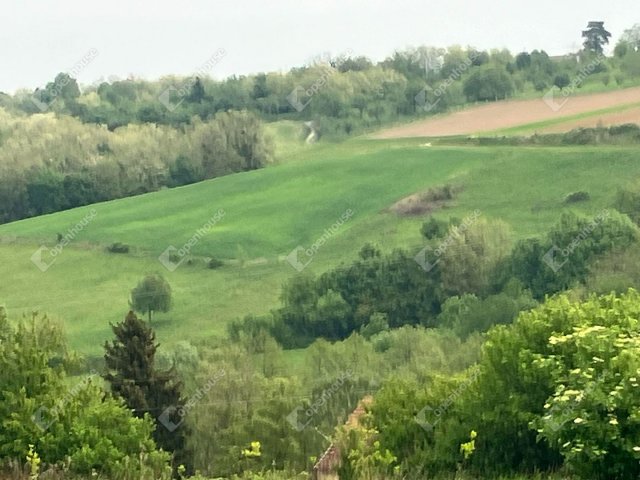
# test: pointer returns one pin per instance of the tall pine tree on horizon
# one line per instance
(131, 372)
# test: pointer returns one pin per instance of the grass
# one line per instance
(271, 211)
(287, 138)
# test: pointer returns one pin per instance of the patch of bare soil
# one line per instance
(424, 203)
(510, 113)
(607, 120)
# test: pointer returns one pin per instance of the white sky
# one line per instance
(39, 38)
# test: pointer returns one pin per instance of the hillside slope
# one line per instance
(270, 212)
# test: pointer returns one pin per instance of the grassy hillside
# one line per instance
(271, 211)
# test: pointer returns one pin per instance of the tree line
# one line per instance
(344, 94)
(465, 279)
(53, 162)
(132, 136)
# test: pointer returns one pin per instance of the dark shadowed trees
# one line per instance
(133, 376)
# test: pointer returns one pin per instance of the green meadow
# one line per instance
(268, 213)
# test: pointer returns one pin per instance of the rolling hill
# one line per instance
(270, 212)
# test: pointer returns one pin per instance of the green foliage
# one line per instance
(560, 368)
(470, 253)
(419, 423)
(377, 323)
(562, 259)
(488, 83)
(33, 459)
(118, 247)
(595, 37)
(558, 385)
(152, 294)
(49, 418)
(434, 228)
(133, 376)
(575, 197)
(292, 412)
(74, 164)
(214, 263)
(467, 314)
(627, 201)
(591, 415)
(343, 300)
(615, 271)
(562, 80)
(364, 457)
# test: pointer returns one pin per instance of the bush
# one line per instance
(468, 256)
(627, 201)
(118, 247)
(467, 314)
(562, 80)
(562, 259)
(487, 84)
(577, 197)
(439, 194)
(377, 324)
(625, 129)
(214, 263)
(581, 136)
(434, 228)
(591, 416)
(540, 85)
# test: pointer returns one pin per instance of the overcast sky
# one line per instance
(148, 39)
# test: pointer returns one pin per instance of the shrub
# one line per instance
(627, 201)
(377, 323)
(577, 197)
(562, 80)
(468, 314)
(591, 416)
(118, 247)
(581, 136)
(439, 194)
(562, 259)
(214, 263)
(625, 129)
(434, 228)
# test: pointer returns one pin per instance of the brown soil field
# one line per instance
(631, 115)
(513, 113)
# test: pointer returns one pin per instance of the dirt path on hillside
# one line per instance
(512, 113)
